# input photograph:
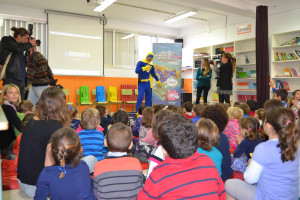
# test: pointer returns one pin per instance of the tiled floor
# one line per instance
(14, 195)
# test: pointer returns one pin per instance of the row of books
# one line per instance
(290, 72)
(280, 56)
(244, 98)
(240, 73)
(246, 86)
(282, 85)
(292, 41)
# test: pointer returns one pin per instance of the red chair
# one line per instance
(144, 165)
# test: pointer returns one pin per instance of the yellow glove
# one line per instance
(147, 68)
(159, 83)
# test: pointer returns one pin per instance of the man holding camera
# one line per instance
(39, 75)
(16, 67)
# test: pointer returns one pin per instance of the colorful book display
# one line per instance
(292, 41)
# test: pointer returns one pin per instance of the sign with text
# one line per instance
(167, 63)
(244, 29)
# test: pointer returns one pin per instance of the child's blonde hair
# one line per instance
(235, 113)
(90, 119)
(5, 90)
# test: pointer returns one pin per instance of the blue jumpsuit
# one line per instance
(144, 84)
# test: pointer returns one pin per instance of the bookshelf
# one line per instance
(285, 65)
(244, 79)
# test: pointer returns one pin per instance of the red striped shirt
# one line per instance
(195, 177)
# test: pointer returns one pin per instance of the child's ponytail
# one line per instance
(66, 149)
(282, 120)
(288, 141)
(62, 163)
(252, 126)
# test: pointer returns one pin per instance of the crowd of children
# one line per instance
(194, 152)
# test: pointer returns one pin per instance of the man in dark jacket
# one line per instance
(17, 45)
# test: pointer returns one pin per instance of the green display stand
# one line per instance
(84, 94)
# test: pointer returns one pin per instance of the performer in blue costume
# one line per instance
(144, 69)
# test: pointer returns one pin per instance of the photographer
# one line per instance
(39, 75)
(17, 45)
(225, 72)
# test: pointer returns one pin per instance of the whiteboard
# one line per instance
(75, 45)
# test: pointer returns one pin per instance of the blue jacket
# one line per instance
(204, 81)
(144, 74)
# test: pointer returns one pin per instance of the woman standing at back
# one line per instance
(52, 114)
(203, 77)
(225, 72)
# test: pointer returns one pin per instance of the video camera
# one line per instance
(30, 29)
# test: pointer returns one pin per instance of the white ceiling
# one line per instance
(154, 11)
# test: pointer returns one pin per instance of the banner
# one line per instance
(167, 63)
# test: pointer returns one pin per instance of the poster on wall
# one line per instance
(167, 62)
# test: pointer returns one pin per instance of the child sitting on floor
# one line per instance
(118, 176)
(91, 139)
(188, 110)
(273, 169)
(253, 107)
(146, 122)
(69, 177)
(208, 139)
(296, 102)
(198, 111)
(233, 127)
(250, 136)
(178, 137)
(157, 154)
(105, 118)
(260, 115)
(24, 108)
(246, 109)
(75, 122)
(138, 123)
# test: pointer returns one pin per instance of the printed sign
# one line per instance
(244, 29)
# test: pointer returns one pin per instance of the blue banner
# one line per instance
(167, 62)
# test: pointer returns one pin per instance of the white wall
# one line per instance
(216, 31)
(29, 14)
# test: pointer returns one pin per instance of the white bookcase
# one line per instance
(245, 55)
(277, 67)
(241, 49)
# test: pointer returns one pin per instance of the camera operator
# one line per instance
(39, 75)
(17, 45)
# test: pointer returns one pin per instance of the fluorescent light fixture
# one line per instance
(75, 35)
(180, 15)
(104, 5)
(127, 36)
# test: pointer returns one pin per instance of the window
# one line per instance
(124, 50)
(39, 31)
(108, 48)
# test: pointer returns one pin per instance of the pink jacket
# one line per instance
(231, 131)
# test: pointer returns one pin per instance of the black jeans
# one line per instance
(224, 97)
(205, 93)
(18, 83)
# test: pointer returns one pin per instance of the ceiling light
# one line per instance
(104, 5)
(127, 36)
(180, 15)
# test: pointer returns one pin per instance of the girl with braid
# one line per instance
(69, 177)
(273, 170)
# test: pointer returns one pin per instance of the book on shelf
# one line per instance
(282, 85)
(240, 73)
(229, 49)
(292, 41)
(281, 56)
(293, 72)
(297, 53)
(252, 86)
(287, 72)
(244, 98)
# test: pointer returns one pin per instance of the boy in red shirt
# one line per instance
(188, 110)
(184, 174)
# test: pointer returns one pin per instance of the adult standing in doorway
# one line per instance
(16, 67)
(225, 72)
(39, 75)
(144, 69)
(203, 77)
